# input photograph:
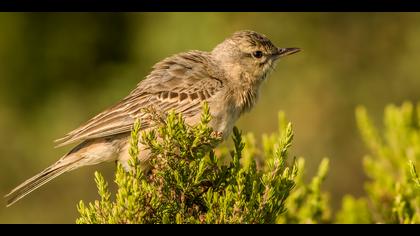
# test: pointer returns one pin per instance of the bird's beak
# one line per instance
(281, 52)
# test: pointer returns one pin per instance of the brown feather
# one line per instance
(166, 88)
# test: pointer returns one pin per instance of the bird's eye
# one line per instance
(257, 54)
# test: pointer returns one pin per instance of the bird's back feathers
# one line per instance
(178, 83)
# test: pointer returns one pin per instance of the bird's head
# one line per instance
(249, 53)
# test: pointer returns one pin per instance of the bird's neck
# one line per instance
(246, 92)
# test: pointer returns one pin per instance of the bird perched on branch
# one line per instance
(228, 78)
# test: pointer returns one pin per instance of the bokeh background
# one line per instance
(59, 69)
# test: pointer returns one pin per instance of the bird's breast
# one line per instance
(224, 117)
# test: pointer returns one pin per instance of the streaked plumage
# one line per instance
(228, 78)
(180, 82)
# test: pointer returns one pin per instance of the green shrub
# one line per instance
(393, 192)
(307, 204)
(354, 211)
(188, 183)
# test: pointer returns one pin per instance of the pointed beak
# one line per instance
(281, 52)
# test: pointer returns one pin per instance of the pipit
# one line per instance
(228, 78)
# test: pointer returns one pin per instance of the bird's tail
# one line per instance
(67, 163)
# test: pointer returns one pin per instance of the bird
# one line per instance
(228, 78)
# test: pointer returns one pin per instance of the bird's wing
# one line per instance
(178, 83)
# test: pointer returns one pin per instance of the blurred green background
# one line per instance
(59, 69)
